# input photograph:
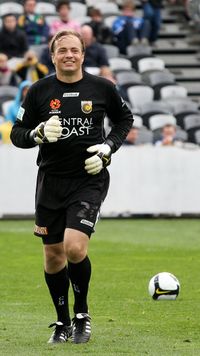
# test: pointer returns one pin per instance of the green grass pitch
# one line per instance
(125, 254)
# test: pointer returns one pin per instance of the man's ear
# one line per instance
(83, 58)
(53, 61)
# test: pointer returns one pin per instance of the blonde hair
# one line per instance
(128, 4)
(63, 33)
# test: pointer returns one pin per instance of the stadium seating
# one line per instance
(140, 94)
(150, 63)
(137, 122)
(138, 50)
(183, 109)
(108, 20)
(51, 18)
(7, 92)
(83, 19)
(107, 8)
(124, 78)
(173, 91)
(119, 63)
(136, 58)
(93, 2)
(5, 105)
(152, 108)
(158, 121)
(197, 137)
(45, 8)
(192, 122)
(191, 125)
(181, 135)
(111, 50)
(159, 78)
(145, 136)
(10, 7)
(38, 49)
(77, 10)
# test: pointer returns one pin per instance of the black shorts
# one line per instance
(68, 203)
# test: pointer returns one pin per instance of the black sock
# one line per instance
(58, 285)
(79, 274)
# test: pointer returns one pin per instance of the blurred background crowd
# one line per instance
(148, 48)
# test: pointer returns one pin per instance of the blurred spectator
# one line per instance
(33, 24)
(102, 33)
(13, 42)
(131, 137)
(129, 29)
(30, 68)
(64, 22)
(190, 7)
(168, 136)
(106, 72)
(95, 54)
(5, 129)
(6, 126)
(186, 4)
(45, 57)
(7, 77)
(15, 105)
(152, 12)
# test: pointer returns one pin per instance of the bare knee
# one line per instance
(75, 245)
(54, 258)
(75, 253)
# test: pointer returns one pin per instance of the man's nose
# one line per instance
(68, 53)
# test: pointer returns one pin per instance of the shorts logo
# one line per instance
(55, 104)
(86, 106)
(41, 230)
(86, 222)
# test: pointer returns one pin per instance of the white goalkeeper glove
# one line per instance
(101, 159)
(48, 131)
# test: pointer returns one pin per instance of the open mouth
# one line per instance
(69, 62)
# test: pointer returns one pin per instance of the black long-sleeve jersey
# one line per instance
(81, 107)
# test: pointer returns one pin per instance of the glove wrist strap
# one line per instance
(32, 136)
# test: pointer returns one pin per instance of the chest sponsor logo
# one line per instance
(55, 104)
(76, 126)
(70, 95)
(86, 106)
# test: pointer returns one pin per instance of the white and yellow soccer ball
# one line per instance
(164, 285)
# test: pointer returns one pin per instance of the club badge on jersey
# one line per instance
(86, 107)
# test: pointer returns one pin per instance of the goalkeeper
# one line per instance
(63, 114)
